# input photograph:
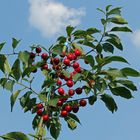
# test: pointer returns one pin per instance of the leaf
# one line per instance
(15, 42)
(2, 45)
(15, 136)
(35, 122)
(90, 60)
(92, 99)
(116, 11)
(121, 29)
(107, 47)
(108, 7)
(54, 131)
(81, 33)
(109, 102)
(27, 71)
(42, 96)
(69, 30)
(9, 85)
(74, 117)
(130, 72)
(121, 91)
(66, 73)
(100, 10)
(86, 43)
(76, 76)
(13, 98)
(118, 20)
(57, 49)
(53, 102)
(71, 123)
(92, 31)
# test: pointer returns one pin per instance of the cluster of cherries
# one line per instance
(58, 64)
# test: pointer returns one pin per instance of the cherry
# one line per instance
(45, 67)
(61, 76)
(78, 90)
(38, 50)
(83, 102)
(70, 56)
(60, 102)
(59, 82)
(68, 108)
(32, 55)
(56, 61)
(64, 113)
(73, 73)
(39, 106)
(68, 78)
(75, 65)
(71, 92)
(39, 112)
(70, 83)
(46, 117)
(78, 69)
(77, 52)
(44, 56)
(66, 61)
(75, 109)
(86, 62)
(61, 91)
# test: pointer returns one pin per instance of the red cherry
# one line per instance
(60, 102)
(78, 69)
(44, 56)
(77, 52)
(75, 109)
(78, 90)
(39, 112)
(74, 57)
(64, 113)
(59, 82)
(83, 102)
(61, 76)
(68, 108)
(38, 50)
(61, 91)
(75, 65)
(66, 61)
(46, 117)
(32, 55)
(45, 67)
(56, 61)
(70, 83)
(71, 92)
(70, 56)
(73, 73)
(68, 78)
(39, 106)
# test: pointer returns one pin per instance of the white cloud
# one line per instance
(136, 38)
(51, 17)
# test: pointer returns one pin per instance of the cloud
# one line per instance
(136, 38)
(51, 17)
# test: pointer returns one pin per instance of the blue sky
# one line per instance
(27, 21)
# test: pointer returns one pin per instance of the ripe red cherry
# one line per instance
(39, 106)
(32, 55)
(45, 67)
(61, 91)
(60, 102)
(46, 117)
(61, 76)
(70, 56)
(64, 113)
(75, 65)
(78, 69)
(68, 108)
(73, 73)
(71, 92)
(38, 50)
(70, 83)
(39, 112)
(56, 61)
(59, 82)
(66, 61)
(77, 52)
(44, 56)
(78, 90)
(75, 109)
(83, 102)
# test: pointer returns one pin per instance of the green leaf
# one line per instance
(130, 72)
(66, 73)
(90, 60)
(92, 99)
(108, 7)
(69, 30)
(57, 49)
(42, 96)
(128, 84)
(109, 102)
(9, 85)
(35, 122)
(76, 76)
(74, 117)
(80, 33)
(92, 31)
(3, 81)
(118, 20)
(27, 71)
(16, 71)
(121, 91)
(100, 10)
(116, 11)
(53, 102)
(15, 42)
(13, 98)
(2, 45)
(15, 136)
(86, 43)
(71, 123)
(54, 131)
(107, 47)
(121, 29)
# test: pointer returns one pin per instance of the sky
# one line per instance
(40, 22)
